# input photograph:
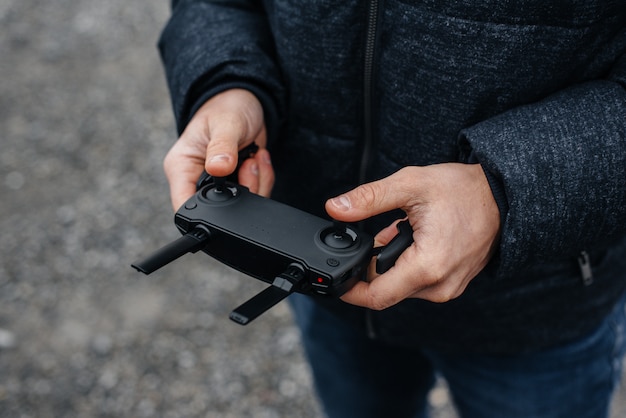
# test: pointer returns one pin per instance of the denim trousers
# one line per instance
(356, 376)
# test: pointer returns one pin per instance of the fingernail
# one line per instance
(266, 158)
(341, 202)
(255, 169)
(220, 158)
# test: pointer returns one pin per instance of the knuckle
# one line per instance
(441, 296)
(378, 305)
(369, 195)
(445, 291)
(378, 301)
(440, 287)
(168, 162)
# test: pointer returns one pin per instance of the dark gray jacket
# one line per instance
(534, 91)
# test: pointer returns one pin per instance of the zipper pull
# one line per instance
(584, 263)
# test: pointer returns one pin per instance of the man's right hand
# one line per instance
(226, 123)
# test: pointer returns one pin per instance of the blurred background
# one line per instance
(85, 121)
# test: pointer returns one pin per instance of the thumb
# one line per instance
(368, 200)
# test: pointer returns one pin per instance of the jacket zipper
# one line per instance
(368, 87)
(368, 81)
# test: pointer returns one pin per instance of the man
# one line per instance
(498, 128)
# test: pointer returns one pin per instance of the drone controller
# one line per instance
(291, 250)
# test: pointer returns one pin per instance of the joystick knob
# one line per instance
(339, 240)
(221, 194)
(221, 191)
(338, 237)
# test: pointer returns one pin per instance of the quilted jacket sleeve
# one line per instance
(561, 163)
(210, 46)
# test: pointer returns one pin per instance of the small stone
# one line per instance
(14, 180)
(7, 339)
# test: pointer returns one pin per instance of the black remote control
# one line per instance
(290, 249)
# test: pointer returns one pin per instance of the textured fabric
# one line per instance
(358, 377)
(534, 90)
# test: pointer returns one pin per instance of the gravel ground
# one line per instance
(85, 122)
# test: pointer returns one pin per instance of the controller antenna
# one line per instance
(191, 242)
(282, 286)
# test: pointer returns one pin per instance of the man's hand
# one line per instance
(455, 223)
(226, 123)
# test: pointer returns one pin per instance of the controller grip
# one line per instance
(390, 253)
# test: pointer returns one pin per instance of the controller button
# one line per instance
(191, 205)
(333, 262)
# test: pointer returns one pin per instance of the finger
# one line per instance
(257, 174)
(221, 152)
(381, 239)
(266, 172)
(231, 119)
(425, 281)
(370, 199)
(443, 292)
(373, 296)
(182, 184)
(367, 295)
(249, 175)
(389, 288)
(385, 235)
(182, 172)
(181, 190)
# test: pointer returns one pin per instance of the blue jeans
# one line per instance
(358, 377)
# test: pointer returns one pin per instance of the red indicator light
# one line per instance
(320, 280)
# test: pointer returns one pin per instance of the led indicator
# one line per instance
(320, 280)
